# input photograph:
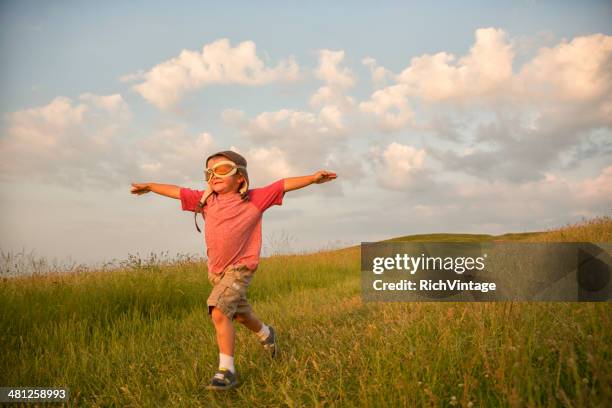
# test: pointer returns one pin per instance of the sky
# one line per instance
(463, 117)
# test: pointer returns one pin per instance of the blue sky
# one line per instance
(483, 118)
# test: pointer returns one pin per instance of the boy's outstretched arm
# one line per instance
(321, 176)
(168, 190)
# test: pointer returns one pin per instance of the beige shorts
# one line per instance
(229, 290)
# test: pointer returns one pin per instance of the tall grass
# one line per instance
(597, 229)
(140, 336)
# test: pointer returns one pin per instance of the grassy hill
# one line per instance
(141, 336)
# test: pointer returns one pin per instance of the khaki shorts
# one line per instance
(229, 290)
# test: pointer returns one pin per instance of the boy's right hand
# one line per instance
(140, 188)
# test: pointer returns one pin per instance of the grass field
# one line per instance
(140, 336)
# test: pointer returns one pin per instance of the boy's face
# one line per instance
(223, 185)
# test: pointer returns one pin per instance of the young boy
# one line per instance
(232, 214)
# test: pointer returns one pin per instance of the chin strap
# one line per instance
(200, 206)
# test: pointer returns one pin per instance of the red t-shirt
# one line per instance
(232, 227)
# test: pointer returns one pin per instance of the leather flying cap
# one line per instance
(233, 156)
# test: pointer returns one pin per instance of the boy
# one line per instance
(232, 216)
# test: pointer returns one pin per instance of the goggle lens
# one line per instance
(221, 169)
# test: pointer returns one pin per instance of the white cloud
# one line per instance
(111, 103)
(389, 107)
(58, 114)
(218, 63)
(266, 165)
(330, 72)
(397, 165)
(327, 96)
(379, 74)
(484, 71)
(172, 153)
(331, 99)
(83, 145)
(287, 124)
(331, 117)
(563, 80)
(283, 124)
(65, 142)
(577, 70)
(137, 76)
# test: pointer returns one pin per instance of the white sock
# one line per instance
(264, 332)
(226, 361)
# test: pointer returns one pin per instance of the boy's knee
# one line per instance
(218, 316)
(240, 317)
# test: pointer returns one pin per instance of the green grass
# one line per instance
(142, 337)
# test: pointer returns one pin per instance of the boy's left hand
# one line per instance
(323, 176)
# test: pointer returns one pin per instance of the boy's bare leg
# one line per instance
(250, 321)
(225, 331)
(266, 334)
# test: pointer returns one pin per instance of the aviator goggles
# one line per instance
(222, 169)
